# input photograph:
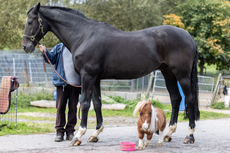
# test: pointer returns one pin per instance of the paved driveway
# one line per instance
(211, 136)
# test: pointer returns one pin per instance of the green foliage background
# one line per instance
(206, 20)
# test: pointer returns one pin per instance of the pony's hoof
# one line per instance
(190, 139)
(140, 148)
(167, 138)
(160, 144)
(93, 139)
(75, 142)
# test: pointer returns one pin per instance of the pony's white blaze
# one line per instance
(145, 126)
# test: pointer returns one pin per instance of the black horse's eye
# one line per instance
(29, 23)
(140, 114)
(150, 113)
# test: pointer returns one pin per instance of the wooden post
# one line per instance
(44, 65)
(216, 89)
(8, 71)
(150, 84)
(27, 75)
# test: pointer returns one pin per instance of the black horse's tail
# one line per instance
(194, 85)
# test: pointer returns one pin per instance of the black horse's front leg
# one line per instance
(96, 96)
(87, 87)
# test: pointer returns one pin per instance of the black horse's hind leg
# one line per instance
(190, 109)
(175, 97)
(96, 96)
(87, 82)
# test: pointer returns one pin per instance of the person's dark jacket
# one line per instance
(55, 57)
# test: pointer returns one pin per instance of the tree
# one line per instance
(13, 19)
(127, 15)
(208, 22)
(174, 20)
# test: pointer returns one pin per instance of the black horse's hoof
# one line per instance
(93, 139)
(167, 138)
(75, 142)
(189, 139)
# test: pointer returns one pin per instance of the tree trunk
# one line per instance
(201, 65)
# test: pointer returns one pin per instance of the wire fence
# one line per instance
(31, 70)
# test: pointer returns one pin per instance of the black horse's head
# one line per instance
(33, 29)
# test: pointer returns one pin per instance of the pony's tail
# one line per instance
(194, 86)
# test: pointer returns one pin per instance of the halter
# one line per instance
(32, 38)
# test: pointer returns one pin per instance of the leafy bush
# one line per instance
(129, 104)
(133, 103)
(219, 105)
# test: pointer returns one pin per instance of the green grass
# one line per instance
(37, 109)
(32, 118)
(26, 128)
(32, 127)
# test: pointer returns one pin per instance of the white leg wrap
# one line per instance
(97, 132)
(146, 143)
(160, 137)
(190, 131)
(140, 145)
(172, 129)
(80, 133)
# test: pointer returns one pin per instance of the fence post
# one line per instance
(150, 83)
(31, 77)
(44, 65)
(132, 86)
(8, 71)
(143, 83)
(27, 75)
(14, 66)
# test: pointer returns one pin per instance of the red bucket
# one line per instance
(128, 146)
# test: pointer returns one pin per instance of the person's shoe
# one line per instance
(58, 138)
(69, 137)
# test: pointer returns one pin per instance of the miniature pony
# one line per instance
(151, 120)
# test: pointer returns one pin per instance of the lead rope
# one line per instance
(63, 80)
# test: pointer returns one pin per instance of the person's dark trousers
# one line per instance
(63, 94)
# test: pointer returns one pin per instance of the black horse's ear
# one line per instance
(36, 8)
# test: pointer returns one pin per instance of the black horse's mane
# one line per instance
(74, 11)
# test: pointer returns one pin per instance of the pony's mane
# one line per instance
(140, 105)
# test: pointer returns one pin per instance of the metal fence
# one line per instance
(30, 70)
(206, 85)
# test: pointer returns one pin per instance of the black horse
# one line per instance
(101, 51)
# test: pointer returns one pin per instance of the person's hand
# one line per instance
(42, 48)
